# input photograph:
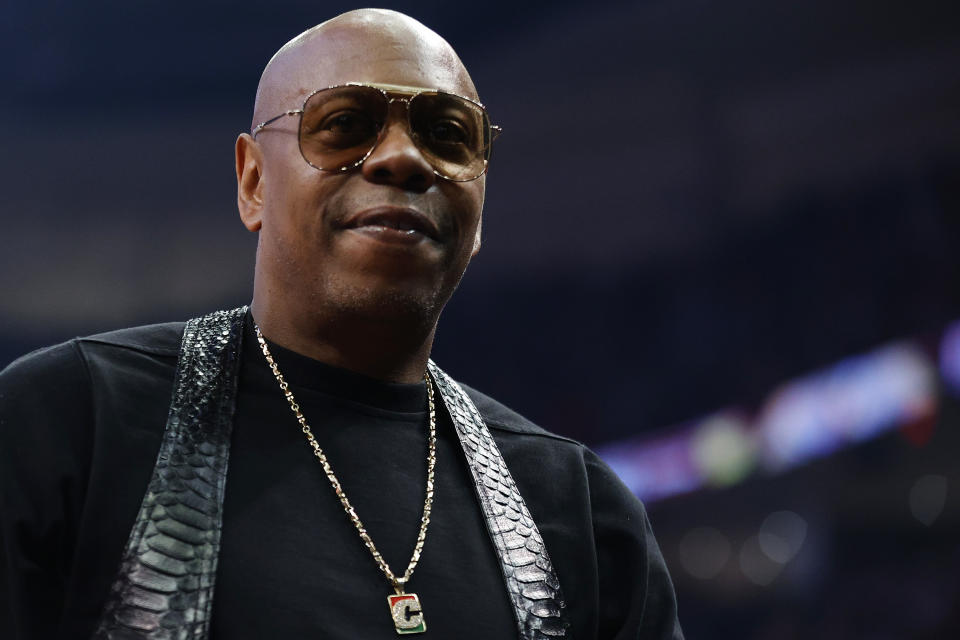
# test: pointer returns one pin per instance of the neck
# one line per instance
(376, 345)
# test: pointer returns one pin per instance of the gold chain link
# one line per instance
(347, 507)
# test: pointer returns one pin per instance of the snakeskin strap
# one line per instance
(164, 588)
(531, 581)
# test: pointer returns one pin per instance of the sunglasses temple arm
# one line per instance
(263, 124)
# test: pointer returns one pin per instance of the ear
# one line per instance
(476, 238)
(249, 159)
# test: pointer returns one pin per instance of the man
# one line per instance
(427, 510)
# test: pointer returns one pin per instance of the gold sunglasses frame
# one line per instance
(391, 93)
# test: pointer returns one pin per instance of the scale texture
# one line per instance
(531, 581)
(164, 588)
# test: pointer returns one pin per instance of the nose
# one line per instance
(397, 161)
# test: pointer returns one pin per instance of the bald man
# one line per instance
(369, 495)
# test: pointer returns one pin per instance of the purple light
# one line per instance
(654, 469)
(950, 358)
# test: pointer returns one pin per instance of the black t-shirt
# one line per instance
(80, 426)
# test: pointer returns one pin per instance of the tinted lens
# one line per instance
(339, 126)
(452, 133)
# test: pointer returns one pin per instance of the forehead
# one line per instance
(376, 55)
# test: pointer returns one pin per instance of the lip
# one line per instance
(396, 224)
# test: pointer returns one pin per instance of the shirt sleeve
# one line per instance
(637, 599)
(44, 404)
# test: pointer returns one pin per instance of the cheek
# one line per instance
(475, 207)
(467, 198)
(288, 241)
(292, 186)
(468, 203)
(296, 202)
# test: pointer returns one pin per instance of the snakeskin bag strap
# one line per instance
(164, 588)
(531, 581)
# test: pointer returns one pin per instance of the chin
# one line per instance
(391, 303)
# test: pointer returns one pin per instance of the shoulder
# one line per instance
(502, 418)
(57, 366)
(70, 362)
(549, 452)
(59, 398)
(157, 339)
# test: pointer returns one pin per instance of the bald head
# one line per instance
(365, 45)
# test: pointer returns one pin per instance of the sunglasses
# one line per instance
(340, 127)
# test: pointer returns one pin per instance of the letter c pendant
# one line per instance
(406, 613)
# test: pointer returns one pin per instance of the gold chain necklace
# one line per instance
(404, 607)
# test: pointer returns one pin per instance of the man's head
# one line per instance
(386, 240)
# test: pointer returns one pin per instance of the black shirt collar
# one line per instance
(306, 373)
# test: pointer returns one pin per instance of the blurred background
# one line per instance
(721, 247)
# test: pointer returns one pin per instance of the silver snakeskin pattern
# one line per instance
(164, 588)
(531, 581)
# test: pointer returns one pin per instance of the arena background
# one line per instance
(721, 247)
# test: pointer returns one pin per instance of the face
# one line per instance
(389, 236)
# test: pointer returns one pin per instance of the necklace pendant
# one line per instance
(406, 613)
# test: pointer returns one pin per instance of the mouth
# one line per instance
(393, 224)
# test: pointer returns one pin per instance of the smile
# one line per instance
(393, 224)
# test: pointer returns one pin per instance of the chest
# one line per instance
(292, 563)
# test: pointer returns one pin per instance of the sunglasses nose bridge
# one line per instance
(397, 152)
(405, 101)
(402, 118)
